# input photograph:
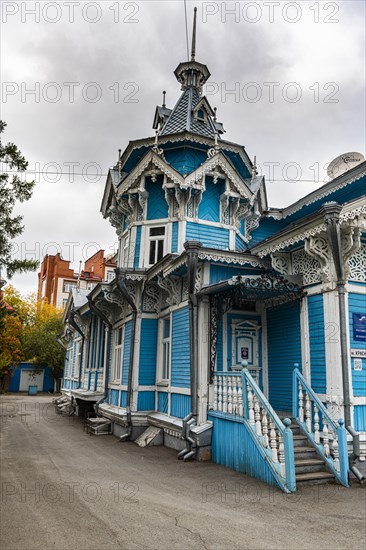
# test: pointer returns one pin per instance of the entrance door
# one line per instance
(245, 346)
(26, 380)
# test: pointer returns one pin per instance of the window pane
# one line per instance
(166, 328)
(156, 231)
(160, 250)
(152, 252)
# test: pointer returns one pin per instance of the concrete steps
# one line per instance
(310, 468)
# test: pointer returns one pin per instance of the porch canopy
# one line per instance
(242, 292)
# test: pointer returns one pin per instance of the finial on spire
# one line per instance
(164, 93)
(215, 115)
(193, 50)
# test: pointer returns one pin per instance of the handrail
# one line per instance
(283, 455)
(307, 416)
(309, 389)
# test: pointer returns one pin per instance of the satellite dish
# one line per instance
(343, 163)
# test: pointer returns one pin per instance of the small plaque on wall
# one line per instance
(357, 364)
(355, 352)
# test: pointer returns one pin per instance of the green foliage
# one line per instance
(13, 189)
(30, 334)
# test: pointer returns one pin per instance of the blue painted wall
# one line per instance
(233, 446)
(148, 351)
(240, 245)
(208, 235)
(222, 272)
(360, 418)
(157, 207)
(267, 228)
(180, 405)
(209, 207)
(317, 343)
(185, 160)
(126, 352)
(146, 401)
(136, 259)
(175, 236)
(284, 349)
(180, 348)
(162, 402)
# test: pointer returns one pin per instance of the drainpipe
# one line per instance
(331, 211)
(192, 248)
(120, 281)
(100, 314)
(73, 323)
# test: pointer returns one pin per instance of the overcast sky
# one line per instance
(97, 71)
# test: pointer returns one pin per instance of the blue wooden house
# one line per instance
(232, 329)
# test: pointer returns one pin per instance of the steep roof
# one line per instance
(182, 118)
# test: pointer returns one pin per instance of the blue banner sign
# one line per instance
(359, 327)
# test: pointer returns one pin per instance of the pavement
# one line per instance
(63, 489)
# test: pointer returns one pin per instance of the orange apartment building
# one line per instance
(57, 278)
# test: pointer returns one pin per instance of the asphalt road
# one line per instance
(62, 489)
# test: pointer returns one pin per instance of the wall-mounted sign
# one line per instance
(357, 364)
(244, 353)
(358, 352)
(359, 327)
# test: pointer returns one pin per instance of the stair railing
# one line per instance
(274, 436)
(327, 436)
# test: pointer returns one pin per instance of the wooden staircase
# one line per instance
(309, 466)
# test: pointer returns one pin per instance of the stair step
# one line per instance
(309, 462)
(315, 477)
(309, 465)
(304, 449)
(300, 440)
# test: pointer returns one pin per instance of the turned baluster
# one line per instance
(335, 452)
(308, 413)
(257, 416)
(316, 425)
(281, 449)
(326, 438)
(230, 395)
(235, 396)
(273, 441)
(240, 398)
(224, 394)
(301, 403)
(215, 393)
(265, 428)
(250, 405)
(219, 394)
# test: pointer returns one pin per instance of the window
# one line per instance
(70, 360)
(156, 244)
(79, 345)
(165, 349)
(200, 114)
(68, 285)
(110, 276)
(125, 248)
(118, 355)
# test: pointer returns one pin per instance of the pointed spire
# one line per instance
(193, 50)
(164, 104)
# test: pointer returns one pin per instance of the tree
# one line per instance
(12, 189)
(29, 333)
(40, 345)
